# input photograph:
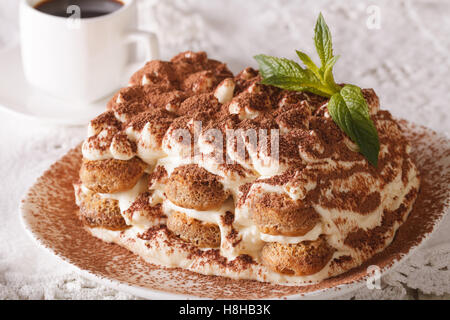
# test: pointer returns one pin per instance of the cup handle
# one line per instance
(148, 39)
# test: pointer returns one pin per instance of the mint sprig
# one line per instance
(347, 106)
(349, 110)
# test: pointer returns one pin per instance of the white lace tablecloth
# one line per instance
(406, 60)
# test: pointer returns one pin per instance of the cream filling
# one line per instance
(210, 216)
(126, 198)
(313, 234)
(142, 222)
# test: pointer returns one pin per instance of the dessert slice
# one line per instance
(276, 175)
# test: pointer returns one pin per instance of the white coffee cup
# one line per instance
(80, 59)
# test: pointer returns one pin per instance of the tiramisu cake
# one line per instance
(195, 168)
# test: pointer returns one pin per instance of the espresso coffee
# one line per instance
(88, 8)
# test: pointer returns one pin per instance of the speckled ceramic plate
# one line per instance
(48, 212)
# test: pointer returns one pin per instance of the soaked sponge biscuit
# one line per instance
(111, 175)
(278, 214)
(100, 212)
(193, 187)
(300, 259)
(202, 234)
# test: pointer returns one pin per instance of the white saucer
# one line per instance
(17, 96)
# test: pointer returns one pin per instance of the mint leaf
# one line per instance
(307, 61)
(354, 99)
(328, 73)
(322, 40)
(350, 111)
(292, 84)
(283, 68)
(289, 75)
(341, 115)
(317, 91)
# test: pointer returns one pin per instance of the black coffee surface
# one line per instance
(88, 8)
